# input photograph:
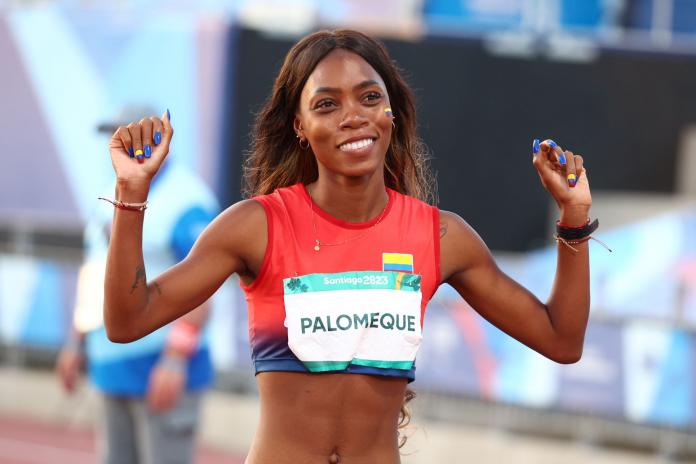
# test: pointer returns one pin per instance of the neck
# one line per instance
(348, 199)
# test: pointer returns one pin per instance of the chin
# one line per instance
(363, 169)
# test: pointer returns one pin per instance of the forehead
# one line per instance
(341, 69)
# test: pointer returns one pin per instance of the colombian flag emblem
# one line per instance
(397, 262)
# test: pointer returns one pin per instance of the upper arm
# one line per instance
(468, 266)
(234, 242)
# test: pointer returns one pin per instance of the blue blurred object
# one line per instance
(585, 13)
(684, 16)
(640, 14)
(473, 14)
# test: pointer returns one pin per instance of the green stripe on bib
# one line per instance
(327, 366)
(405, 365)
(362, 280)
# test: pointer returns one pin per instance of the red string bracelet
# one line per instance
(127, 206)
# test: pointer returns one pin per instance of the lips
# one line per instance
(358, 144)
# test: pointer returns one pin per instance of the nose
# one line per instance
(353, 119)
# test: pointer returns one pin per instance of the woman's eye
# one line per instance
(323, 104)
(373, 96)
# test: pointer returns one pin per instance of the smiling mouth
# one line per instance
(357, 145)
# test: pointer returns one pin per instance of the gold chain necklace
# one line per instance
(318, 244)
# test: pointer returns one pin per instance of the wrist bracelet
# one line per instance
(572, 235)
(127, 206)
(576, 233)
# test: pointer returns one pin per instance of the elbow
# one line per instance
(567, 355)
(119, 336)
(119, 327)
(569, 358)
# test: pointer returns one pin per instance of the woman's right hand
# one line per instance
(139, 149)
(68, 365)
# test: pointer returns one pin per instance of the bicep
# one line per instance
(472, 271)
(224, 248)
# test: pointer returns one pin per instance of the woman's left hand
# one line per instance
(556, 169)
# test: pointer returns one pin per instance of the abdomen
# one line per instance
(308, 418)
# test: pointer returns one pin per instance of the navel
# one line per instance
(334, 458)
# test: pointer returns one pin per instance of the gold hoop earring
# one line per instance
(304, 147)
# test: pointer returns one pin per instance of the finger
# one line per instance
(154, 394)
(571, 169)
(124, 135)
(536, 147)
(157, 130)
(579, 166)
(146, 133)
(554, 153)
(136, 136)
(168, 399)
(544, 159)
(163, 399)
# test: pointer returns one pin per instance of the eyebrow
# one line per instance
(361, 85)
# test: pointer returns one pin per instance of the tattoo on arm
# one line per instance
(443, 229)
(139, 278)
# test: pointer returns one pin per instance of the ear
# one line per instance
(297, 125)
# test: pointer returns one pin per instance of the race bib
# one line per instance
(368, 318)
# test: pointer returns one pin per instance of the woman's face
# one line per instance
(341, 114)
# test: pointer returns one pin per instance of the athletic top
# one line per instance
(357, 304)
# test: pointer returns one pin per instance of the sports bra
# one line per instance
(356, 305)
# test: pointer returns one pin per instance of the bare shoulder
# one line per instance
(452, 224)
(460, 246)
(245, 214)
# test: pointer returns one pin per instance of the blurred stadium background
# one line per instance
(614, 80)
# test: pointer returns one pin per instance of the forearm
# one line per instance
(569, 302)
(126, 293)
(75, 341)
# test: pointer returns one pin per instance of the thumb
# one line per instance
(167, 128)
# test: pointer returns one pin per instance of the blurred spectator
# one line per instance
(151, 389)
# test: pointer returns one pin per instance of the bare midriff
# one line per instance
(327, 418)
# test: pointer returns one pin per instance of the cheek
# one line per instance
(386, 130)
(322, 132)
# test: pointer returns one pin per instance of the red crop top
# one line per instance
(354, 307)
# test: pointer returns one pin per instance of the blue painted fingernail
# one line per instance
(148, 151)
(169, 116)
(562, 159)
(535, 146)
(552, 144)
(158, 138)
(131, 153)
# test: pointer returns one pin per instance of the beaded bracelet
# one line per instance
(127, 206)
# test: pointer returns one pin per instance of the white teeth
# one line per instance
(356, 145)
